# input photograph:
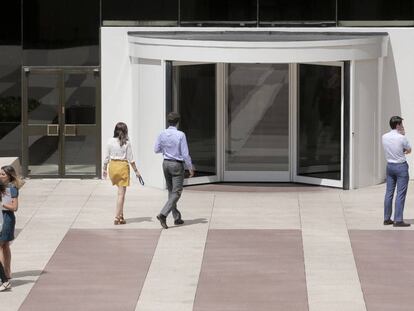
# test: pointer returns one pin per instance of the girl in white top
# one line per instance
(119, 157)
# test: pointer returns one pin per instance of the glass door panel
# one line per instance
(257, 123)
(80, 129)
(42, 111)
(194, 97)
(319, 120)
(60, 137)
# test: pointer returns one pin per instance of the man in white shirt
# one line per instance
(396, 146)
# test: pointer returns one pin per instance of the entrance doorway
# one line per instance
(61, 127)
(262, 122)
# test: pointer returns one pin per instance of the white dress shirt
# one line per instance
(114, 151)
(394, 145)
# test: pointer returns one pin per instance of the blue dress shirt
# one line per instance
(172, 143)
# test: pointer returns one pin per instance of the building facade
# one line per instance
(276, 91)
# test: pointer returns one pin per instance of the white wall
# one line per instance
(365, 123)
(116, 83)
(149, 117)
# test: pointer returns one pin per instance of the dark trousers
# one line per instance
(2, 274)
(174, 177)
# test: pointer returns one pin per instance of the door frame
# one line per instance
(294, 121)
(60, 71)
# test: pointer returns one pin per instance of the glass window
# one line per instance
(194, 93)
(139, 10)
(10, 77)
(375, 10)
(299, 11)
(67, 29)
(238, 11)
(319, 123)
(257, 123)
(10, 21)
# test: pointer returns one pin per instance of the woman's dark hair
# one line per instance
(13, 178)
(394, 121)
(121, 132)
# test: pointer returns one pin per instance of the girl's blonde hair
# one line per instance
(13, 178)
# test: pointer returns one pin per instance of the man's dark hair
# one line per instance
(173, 118)
(394, 121)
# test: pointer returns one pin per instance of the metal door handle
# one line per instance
(53, 130)
(70, 130)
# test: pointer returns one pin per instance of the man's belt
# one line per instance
(172, 160)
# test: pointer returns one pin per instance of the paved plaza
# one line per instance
(243, 247)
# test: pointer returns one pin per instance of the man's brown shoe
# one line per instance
(388, 222)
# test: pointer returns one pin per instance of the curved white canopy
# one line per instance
(256, 46)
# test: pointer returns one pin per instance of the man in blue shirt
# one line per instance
(396, 146)
(172, 143)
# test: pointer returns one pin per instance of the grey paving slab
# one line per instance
(95, 270)
(252, 270)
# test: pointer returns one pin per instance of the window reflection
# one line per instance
(319, 144)
(64, 32)
(194, 93)
(219, 11)
(371, 10)
(323, 11)
(10, 77)
(141, 10)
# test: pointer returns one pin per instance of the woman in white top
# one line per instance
(119, 156)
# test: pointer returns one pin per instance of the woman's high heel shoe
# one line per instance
(122, 220)
(119, 220)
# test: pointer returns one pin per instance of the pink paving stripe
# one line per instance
(385, 262)
(252, 270)
(95, 270)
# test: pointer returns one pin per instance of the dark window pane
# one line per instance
(371, 10)
(10, 77)
(10, 21)
(218, 10)
(135, 10)
(80, 101)
(67, 29)
(297, 10)
(319, 124)
(195, 99)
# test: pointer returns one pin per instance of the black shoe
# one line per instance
(388, 222)
(178, 222)
(401, 224)
(163, 221)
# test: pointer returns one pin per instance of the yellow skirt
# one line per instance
(119, 172)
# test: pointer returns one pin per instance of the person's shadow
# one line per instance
(139, 219)
(190, 222)
(17, 277)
